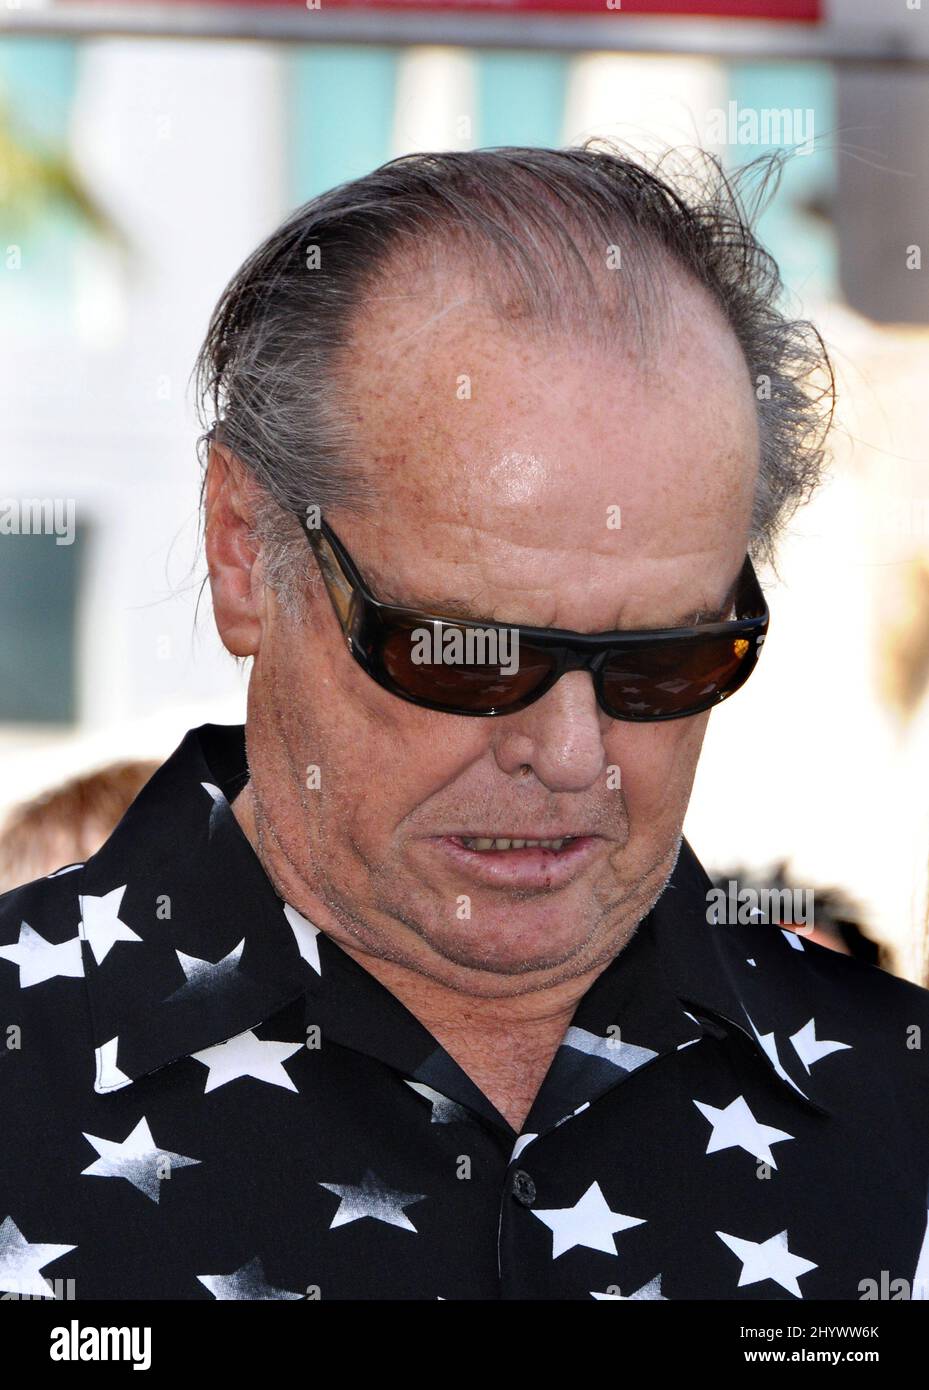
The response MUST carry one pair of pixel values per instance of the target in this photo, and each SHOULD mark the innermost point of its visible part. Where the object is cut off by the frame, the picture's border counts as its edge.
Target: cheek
(381, 758)
(657, 764)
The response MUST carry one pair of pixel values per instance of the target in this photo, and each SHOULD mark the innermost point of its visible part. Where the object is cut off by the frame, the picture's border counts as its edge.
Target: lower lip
(521, 868)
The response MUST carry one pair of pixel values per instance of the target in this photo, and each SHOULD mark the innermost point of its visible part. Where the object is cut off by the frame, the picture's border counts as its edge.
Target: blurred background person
(828, 916)
(69, 823)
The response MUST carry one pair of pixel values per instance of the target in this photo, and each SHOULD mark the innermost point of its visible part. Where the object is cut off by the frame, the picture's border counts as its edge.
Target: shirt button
(523, 1188)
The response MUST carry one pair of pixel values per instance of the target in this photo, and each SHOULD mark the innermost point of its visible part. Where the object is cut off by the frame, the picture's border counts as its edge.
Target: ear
(235, 580)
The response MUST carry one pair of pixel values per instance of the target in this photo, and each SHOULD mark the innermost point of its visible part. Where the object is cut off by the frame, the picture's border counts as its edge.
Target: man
(408, 990)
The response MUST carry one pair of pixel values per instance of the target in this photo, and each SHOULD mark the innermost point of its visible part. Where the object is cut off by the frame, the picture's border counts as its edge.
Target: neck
(505, 1045)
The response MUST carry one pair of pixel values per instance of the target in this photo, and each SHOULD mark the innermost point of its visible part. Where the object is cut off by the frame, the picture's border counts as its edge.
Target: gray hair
(538, 224)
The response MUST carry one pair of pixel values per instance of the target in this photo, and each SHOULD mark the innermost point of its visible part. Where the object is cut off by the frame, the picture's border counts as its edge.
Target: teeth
(485, 843)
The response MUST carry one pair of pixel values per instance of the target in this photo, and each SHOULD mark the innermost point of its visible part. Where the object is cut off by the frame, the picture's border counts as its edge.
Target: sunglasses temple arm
(338, 586)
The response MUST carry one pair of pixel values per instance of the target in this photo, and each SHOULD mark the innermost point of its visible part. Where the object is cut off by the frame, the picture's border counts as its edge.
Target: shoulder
(787, 965)
(41, 900)
(796, 962)
(854, 1037)
(41, 964)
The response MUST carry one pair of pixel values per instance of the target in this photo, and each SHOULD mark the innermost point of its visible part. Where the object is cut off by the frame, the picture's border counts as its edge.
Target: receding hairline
(264, 369)
(636, 300)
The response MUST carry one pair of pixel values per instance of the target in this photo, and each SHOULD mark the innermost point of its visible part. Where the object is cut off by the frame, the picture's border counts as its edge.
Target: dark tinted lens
(675, 678)
(459, 667)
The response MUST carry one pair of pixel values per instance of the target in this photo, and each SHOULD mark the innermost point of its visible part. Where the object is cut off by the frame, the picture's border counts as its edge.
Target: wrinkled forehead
(529, 439)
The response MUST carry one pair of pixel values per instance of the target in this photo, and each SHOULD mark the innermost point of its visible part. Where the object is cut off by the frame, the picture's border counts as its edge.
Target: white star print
(444, 1111)
(40, 960)
(68, 869)
(565, 1118)
(736, 1127)
(650, 1291)
(521, 1143)
(811, 1049)
(220, 804)
(136, 1159)
(21, 1262)
(611, 1049)
(769, 1259)
(203, 976)
(792, 939)
(248, 1282)
(307, 937)
(375, 1199)
(589, 1222)
(246, 1055)
(919, 1289)
(109, 1076)
(769, 1044)
(100, 924)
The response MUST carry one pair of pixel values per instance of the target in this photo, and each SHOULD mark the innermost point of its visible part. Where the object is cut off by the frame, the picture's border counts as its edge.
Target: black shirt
(204, 1097)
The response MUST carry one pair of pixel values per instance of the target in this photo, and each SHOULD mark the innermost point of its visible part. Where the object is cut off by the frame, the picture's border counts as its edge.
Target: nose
(560, 737)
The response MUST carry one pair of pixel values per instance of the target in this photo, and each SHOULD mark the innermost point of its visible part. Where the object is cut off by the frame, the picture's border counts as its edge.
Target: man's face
(499, 492)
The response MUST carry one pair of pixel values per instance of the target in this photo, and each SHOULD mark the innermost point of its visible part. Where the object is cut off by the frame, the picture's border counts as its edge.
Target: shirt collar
(185, 942)
(186, 945)
(738, 975)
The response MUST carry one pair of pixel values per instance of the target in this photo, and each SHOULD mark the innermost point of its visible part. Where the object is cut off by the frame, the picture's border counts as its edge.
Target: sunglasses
(483, 669)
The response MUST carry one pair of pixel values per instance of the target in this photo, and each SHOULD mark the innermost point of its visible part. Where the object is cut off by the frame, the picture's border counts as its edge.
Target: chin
(512, 942)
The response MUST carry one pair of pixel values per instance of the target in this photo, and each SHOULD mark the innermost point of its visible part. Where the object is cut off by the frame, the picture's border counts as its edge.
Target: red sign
(718, 9)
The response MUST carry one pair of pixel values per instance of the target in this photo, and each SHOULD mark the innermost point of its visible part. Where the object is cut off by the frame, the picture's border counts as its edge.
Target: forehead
(507, 457)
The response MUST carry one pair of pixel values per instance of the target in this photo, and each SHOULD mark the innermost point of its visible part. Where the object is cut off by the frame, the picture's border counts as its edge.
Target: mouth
(486, 844)
(503, 861)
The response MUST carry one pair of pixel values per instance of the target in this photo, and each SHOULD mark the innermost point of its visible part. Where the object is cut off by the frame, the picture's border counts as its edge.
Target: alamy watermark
(24, 1290)
(735, 906)
(887, 1288)
(81, 1342)
(765, 125)
(38, 516)
(441, 644)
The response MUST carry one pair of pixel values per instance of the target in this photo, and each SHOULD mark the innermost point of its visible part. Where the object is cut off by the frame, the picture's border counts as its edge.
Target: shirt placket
(628, 1023)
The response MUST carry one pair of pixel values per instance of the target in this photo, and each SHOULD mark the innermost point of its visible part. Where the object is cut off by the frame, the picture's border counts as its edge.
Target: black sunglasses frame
(366, 623)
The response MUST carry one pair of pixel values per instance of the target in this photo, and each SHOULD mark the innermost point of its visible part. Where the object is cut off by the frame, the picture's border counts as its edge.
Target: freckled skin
(501, 500)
